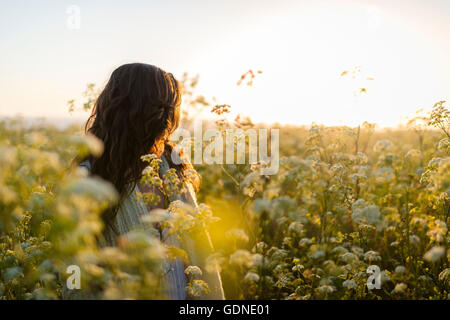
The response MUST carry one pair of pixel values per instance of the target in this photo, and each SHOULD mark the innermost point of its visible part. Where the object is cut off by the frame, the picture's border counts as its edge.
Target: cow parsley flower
(400, 269)
(193, 271)
(318, 254)
(237, 235)
(434, 254)
(444, 275)
(326, 289)
(241, 257)
(304, 242)
(296, 227)
(382, 145)
(349, 284)
(372, 256)
(251, 277)
(400, 288)
(197, 288)
(349, 257)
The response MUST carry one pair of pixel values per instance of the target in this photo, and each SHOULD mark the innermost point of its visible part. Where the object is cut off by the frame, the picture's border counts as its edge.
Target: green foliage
(343, 199)
(50, 218)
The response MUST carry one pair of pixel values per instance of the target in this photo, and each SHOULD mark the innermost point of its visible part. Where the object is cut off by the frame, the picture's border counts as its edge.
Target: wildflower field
(343, 199)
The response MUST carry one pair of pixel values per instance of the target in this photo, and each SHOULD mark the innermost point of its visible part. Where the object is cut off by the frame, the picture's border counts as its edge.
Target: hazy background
(301, 46)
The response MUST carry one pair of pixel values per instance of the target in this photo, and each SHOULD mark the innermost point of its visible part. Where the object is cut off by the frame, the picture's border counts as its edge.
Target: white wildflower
(95, 145)
(434, 254)
(193, 271)
(296, 227)
(382, 145)
(339, 250)
(413, 155)
(372, 256)
(444, 275)
(318, 254)
(261, 205)
(251, 277)
(413, 239)
(197, 288)
(349, 284)
(243, 258)
(364, 214)
(298, 268)
(400, 288)
(237, 235)
(400, 269)
(349, 257)
(304, 242)
(326, 289)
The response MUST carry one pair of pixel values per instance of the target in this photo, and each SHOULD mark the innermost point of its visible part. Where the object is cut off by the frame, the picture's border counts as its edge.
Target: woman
(135, 115)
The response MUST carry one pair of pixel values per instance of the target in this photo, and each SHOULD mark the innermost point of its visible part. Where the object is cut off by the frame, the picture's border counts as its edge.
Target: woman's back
(198, 247)
(128, 217)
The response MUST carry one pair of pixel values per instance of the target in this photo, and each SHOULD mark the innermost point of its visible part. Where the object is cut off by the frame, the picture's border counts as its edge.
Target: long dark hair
(134, 115)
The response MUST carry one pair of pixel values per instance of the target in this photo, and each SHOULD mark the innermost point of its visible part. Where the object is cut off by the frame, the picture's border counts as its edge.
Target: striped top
(129, 217)
(198, 247)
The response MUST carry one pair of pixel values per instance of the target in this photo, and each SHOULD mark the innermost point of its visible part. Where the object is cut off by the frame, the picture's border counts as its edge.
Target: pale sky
(301, 46)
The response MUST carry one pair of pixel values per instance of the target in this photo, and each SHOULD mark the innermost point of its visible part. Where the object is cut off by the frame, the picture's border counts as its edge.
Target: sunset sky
(301, 46)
